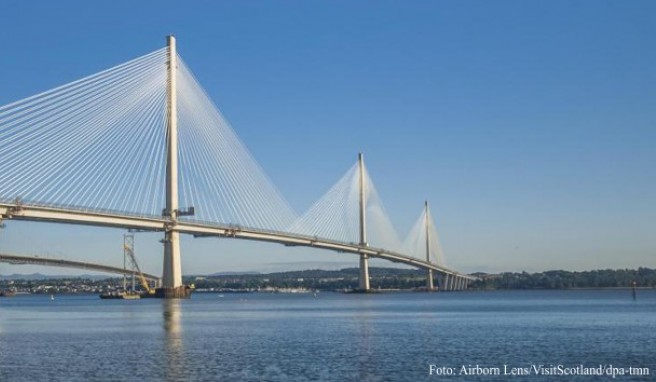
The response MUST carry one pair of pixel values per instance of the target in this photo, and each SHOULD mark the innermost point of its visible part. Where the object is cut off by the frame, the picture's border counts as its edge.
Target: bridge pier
(429, 280)
(172, 272)
(364, 273)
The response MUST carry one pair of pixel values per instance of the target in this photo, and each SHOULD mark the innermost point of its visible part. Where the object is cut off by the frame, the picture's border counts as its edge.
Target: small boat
(110, 296)
(7, 293)
(52, 297)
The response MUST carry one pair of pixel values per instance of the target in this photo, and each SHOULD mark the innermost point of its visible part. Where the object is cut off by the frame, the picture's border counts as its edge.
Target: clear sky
(528, 125)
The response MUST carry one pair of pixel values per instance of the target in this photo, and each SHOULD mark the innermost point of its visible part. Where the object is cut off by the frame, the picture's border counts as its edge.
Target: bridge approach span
(36, 260)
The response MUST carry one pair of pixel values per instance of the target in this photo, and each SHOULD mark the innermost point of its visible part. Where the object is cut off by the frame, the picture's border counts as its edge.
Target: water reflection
(363, 337)
(172, 313)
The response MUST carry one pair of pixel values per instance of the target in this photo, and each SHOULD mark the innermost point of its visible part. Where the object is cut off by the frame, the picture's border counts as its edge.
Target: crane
(128, 249)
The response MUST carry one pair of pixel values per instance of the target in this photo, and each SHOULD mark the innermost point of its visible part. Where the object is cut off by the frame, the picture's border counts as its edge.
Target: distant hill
(559, 279)
(384, 278)
(319, 273)
(310, 273)
(218, 274)
(313, 279)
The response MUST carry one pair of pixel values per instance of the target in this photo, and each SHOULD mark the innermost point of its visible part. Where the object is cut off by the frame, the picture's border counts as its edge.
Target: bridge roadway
(36, 260)
(18, 211)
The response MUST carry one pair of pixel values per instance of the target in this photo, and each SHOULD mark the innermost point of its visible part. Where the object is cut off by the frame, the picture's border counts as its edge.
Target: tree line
(606, 278)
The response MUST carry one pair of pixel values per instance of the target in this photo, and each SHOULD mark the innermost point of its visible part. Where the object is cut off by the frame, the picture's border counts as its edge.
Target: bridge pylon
(429, 272)
(364, 258)
(172, 274)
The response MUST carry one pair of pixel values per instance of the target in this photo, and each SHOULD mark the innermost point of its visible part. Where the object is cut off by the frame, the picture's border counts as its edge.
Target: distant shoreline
(383, 279)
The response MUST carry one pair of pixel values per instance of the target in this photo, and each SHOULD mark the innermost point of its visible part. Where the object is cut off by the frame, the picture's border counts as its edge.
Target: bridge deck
(108, 219)
(36, 260)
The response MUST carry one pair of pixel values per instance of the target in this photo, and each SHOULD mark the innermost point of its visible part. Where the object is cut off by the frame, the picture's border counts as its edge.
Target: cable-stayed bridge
(142, 146)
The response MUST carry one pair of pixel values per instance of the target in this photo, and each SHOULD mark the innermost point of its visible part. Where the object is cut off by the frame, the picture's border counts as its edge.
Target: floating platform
(183, 291)
(120, 296)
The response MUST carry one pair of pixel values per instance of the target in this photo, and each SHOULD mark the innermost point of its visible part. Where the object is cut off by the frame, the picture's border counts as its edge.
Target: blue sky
(528, 125)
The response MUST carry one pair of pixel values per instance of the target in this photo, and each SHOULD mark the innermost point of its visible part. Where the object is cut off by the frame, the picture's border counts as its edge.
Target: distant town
(337, 280)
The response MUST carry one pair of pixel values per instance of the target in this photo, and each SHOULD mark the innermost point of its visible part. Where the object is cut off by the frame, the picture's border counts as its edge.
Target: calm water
(333, 337)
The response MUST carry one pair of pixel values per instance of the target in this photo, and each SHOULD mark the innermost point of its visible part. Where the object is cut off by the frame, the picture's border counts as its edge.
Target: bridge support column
(429, 280)
(445, 282)
(429, 273)
(172, 274)
(364, 273)
(364, 259)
